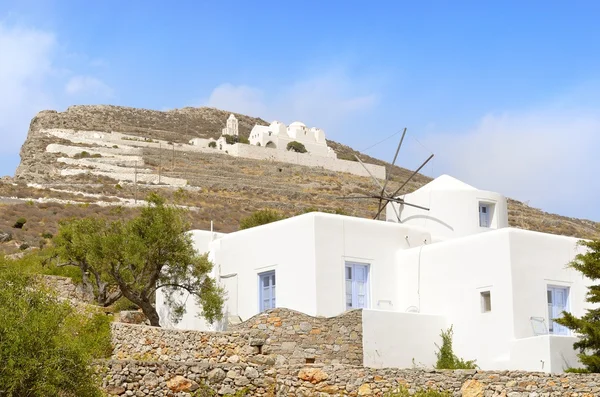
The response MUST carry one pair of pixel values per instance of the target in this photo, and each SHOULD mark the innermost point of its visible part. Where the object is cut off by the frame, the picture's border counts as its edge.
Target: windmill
(383, 196)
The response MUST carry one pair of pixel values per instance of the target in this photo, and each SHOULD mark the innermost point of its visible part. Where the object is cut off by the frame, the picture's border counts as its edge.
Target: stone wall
(182, 378)
(141, 342)
(296, 338)
(64, 288)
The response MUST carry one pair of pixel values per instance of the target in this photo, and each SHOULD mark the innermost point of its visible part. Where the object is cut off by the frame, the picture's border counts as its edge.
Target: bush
(20, 223)
(47, 235)
(244, 140)
(446, 359)
(261, 217)
(212, 144)
(348, 157)
(46, 348)
(403, 392)
(82, 155)
(115, 146)
(296, 146)
(23, 246)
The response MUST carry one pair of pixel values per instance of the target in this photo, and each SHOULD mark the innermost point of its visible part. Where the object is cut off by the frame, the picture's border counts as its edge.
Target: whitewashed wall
(333, 164)
(394, 340)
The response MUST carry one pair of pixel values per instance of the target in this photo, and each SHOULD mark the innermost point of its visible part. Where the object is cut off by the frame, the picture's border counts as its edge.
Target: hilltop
(64, 174)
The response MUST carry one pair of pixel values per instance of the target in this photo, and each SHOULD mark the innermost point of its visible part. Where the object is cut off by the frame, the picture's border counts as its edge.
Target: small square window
(486, 301)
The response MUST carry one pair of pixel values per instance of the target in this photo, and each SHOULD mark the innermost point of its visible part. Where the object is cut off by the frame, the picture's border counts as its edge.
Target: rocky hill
(83, 161)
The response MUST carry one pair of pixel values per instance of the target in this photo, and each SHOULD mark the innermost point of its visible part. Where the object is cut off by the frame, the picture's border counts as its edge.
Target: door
(557, 304)
(266, 291)
(484, 218)
(357, 285)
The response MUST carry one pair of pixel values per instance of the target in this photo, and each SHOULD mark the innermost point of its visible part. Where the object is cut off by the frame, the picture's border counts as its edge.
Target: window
(484, 215)
(486, 301)
(266, 290)
(557, 303)
(357, 285)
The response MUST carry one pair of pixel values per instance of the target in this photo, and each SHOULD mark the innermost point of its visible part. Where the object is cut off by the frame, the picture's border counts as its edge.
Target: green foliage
(115, 146)
(446, 359)
(47, 235)
(260, 217)
(136, 257)
(588, 326)
(233, 139)
(296, 146)
(23, 246)
(123, 304)
(46, 348)
(205, 391)
(403, 392)
(212, 144)
(577, 371)
(244, 140)
(19, 223)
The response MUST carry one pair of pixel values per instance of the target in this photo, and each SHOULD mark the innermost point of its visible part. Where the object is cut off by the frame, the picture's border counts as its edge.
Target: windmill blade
(369, 172)
(381, 208)
(389, 173)
(412, 176)
(416, 206)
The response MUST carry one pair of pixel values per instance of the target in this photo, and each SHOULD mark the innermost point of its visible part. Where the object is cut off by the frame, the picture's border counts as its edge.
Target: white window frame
(557, 329)
(269, 273)
(353, 265)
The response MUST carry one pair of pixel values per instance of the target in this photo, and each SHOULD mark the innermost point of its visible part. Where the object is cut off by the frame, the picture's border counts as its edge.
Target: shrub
(348, 157)
(47, 235)
(115, 146)
(23, 246)
(446, 359)
(230, 139)
(244, 140)
(296, 146)
(46, 348)
(261, 217)
(118, 186)
(82, 155)
(212, 144)
(403, 392)
(20, 223)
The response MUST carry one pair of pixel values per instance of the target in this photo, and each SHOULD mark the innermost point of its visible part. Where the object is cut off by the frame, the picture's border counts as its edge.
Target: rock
(216, 376)
(312, 375)
(234, 359)
(365, 390)
(251, 373)
(472, 388)
(132, 317)
(179, 383)
(114, 390)
(226, 389)
(5, 237)
(150, 380)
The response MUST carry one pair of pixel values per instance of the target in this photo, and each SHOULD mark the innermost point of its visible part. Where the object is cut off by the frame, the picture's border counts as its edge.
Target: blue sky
(505, 94)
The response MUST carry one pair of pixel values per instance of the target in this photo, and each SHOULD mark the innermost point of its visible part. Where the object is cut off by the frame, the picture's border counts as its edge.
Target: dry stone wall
(191, 378)
(296, 338)
(141, 342)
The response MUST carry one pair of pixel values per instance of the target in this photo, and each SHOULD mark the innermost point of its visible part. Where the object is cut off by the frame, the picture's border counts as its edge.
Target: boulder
(179, 383)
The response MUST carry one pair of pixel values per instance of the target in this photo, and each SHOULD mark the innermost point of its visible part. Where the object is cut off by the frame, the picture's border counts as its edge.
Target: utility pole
(159, 160)
(135, 184)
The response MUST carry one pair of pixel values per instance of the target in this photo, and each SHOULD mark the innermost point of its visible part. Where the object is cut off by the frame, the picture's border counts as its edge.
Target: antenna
(383, 196)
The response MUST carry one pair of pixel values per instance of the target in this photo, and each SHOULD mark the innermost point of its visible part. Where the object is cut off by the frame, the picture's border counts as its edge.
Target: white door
(357, 285)
(266, 291)
(557, 304)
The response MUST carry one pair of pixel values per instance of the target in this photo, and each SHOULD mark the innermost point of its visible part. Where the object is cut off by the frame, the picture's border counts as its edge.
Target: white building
(277, 136)
(231, 127)
(457, 264)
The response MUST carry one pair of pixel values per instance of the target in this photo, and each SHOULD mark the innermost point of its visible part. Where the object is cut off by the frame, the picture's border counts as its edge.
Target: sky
(505, 94)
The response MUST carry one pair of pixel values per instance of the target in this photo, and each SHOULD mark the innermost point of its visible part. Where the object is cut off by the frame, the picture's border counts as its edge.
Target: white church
(277, 136)
(458, 264)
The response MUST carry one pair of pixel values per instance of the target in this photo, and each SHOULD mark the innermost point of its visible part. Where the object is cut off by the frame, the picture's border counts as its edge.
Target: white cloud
(328, 100)
(25, 67)
(241, 99)
(87, 85)
(548, 156)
